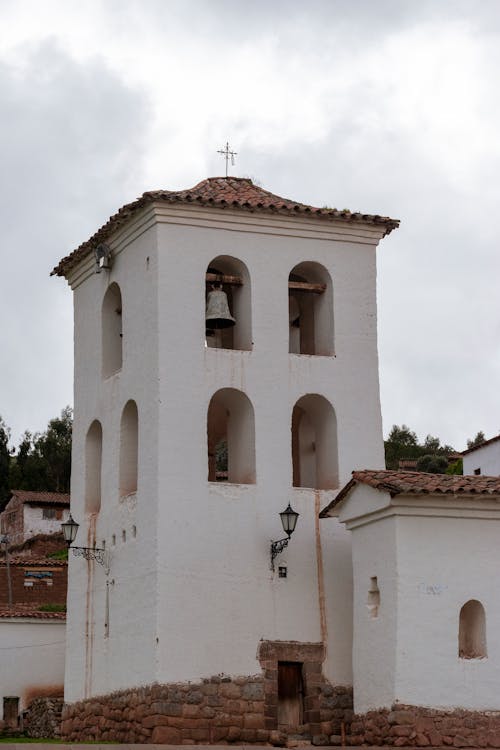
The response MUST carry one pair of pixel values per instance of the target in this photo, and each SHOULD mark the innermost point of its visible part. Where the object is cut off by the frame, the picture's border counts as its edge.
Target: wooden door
(290, 694)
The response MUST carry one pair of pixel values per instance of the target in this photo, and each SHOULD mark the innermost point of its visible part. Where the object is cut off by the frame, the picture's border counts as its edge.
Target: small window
(231, 437)
(112, 331)
(129, 445)
(49, 513)
(93, 462)
(314, 443)
(477, 472)
(472, 631)
(310, 310)
(373, 602)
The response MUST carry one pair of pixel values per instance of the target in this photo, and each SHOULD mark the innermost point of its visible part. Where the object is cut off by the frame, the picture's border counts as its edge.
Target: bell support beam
(299, 286)
(221, 278)
(304, 286)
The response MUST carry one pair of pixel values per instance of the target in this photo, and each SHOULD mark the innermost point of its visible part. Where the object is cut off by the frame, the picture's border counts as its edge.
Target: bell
(218, 314)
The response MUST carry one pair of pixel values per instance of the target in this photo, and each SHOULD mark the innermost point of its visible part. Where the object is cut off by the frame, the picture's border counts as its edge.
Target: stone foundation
(42, 718)
(218, 710)
(411, 726)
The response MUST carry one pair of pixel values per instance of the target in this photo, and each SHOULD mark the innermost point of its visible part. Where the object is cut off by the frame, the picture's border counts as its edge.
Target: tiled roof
(37, 562)
(481, 445)
(41, 498)
(18, 611)
(418, 483)
(219, 192)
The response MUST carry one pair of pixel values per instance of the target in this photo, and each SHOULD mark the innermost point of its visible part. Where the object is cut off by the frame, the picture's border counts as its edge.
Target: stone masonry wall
(217, 710)
(410, 726)
(42, 718)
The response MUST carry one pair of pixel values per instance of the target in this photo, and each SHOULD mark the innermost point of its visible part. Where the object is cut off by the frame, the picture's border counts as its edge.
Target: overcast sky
(383, 106)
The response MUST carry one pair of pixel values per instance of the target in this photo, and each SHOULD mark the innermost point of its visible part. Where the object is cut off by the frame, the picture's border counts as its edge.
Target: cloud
(71, 147)
(387, 107)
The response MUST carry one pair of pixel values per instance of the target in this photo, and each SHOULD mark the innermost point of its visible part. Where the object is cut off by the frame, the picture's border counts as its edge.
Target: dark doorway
(290, 694)
(11, 711)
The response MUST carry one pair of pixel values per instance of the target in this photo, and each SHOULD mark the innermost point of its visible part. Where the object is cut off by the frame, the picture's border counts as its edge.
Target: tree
(54, 448)
(431, 455)
(43, 460)
(433, 464)
(401, 443)
(480, 438)
(4, 463)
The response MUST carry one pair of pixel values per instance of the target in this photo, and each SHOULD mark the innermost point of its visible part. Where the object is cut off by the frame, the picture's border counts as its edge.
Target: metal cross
(226, 152)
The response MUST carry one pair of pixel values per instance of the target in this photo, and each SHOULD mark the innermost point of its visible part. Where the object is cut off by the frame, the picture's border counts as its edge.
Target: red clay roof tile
(41, 498)
(417, 483)
(18, 610)
(219, 192)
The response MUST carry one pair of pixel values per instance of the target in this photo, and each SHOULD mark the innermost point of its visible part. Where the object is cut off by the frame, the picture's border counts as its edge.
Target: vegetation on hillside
(430, 456)
(41, 462)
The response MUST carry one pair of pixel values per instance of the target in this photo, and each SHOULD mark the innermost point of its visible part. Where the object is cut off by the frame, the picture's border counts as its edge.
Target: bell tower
(225, 368)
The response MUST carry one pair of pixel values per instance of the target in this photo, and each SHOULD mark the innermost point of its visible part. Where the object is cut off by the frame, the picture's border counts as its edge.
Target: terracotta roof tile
(35, 562)
(41, 498)
(219, 192)
(18, 610)
(417, 483)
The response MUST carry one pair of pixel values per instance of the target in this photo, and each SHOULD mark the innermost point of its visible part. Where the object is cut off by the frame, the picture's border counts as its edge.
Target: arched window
(129, 442)
(111, 331)
(230, 276)
(231, 437)
(472, 631)
(93, 463)
(314, 443)
(310, 307)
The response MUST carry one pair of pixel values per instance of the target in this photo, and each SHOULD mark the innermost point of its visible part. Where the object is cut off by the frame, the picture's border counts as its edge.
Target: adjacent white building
(32, 647)
(28, 514)
(426, 602)
(291, 391)
(483, 459)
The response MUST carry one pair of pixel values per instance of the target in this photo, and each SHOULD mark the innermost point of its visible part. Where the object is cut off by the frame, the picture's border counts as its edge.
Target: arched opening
(231, 437)
(93, 464)
(310, 310)
(472, 631)
(229, 275)
(314, 443)
(111, 331)
(129, 443)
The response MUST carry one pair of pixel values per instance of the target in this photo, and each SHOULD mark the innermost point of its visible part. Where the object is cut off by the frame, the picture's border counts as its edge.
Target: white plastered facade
(192, 594)
(430, 554)
(484, 460)
(31, 658)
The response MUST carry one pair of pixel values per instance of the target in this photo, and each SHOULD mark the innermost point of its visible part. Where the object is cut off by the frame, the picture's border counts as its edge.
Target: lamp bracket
(91, 553)
(278, 547)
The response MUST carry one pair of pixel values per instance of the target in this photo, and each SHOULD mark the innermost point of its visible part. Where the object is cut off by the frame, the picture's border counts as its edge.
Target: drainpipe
(5, 540)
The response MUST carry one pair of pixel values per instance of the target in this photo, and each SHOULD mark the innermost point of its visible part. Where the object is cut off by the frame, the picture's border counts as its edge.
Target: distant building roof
(417, 483)
(41, 498)
(18, 611)
(219, 192)
(481, 445)
(35, 562)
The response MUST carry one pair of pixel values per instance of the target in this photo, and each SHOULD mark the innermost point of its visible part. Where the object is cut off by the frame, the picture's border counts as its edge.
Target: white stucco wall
(486, 459)
(31, 658)
(443, 563)
(35, 523)
(431, 555)
(193, 594)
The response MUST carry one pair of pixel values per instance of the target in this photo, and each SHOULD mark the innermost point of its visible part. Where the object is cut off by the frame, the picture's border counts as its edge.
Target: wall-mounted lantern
(70, 530)
(102, 255)
(289, 521)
